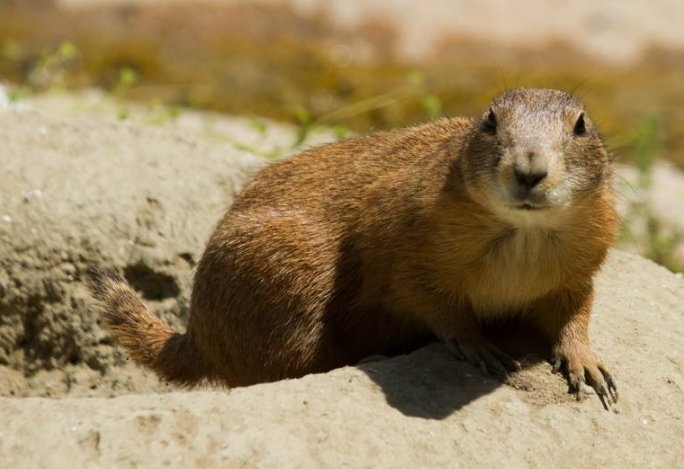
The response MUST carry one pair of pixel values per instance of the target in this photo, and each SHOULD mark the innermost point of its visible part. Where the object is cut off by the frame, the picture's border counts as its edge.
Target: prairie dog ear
(580, 128)
(490, 122)
(578, 123)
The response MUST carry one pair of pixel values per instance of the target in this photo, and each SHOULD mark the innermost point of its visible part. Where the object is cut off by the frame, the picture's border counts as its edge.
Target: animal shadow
(430, 384)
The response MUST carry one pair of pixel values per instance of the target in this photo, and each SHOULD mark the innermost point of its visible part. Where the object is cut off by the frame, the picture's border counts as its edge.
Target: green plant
(432, 105)
(415, 88)
(646, 149)
(127, 78)
(662, 244)
(654, 238)
(50, 72)
(159, 113)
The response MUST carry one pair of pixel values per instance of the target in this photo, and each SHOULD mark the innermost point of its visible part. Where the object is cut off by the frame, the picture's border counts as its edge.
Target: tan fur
(375, 244)
(150, 342)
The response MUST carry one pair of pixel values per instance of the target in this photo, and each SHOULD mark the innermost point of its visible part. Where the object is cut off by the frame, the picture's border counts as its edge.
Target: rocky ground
(91, 190)
(79, 187)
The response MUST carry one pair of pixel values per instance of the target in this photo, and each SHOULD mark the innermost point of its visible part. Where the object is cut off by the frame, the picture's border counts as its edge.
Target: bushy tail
(150, 341)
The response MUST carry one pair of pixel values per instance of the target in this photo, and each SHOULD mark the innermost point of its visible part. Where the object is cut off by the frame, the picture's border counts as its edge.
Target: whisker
(615, 173)
(591, 76)
(623, 223)
(519, 76)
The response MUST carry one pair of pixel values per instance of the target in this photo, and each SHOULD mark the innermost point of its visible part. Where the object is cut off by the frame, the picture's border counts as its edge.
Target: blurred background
(356, 66)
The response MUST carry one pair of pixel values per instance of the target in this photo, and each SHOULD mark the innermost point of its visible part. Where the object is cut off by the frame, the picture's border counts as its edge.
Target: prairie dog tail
(150, 341)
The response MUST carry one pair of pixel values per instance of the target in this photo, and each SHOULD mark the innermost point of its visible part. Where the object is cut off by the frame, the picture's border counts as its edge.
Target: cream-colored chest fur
(513, 270)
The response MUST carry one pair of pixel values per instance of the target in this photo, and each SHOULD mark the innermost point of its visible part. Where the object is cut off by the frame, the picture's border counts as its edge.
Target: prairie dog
(375, 244)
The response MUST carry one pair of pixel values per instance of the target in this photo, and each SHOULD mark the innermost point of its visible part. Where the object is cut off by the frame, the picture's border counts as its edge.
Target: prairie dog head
(533, 156)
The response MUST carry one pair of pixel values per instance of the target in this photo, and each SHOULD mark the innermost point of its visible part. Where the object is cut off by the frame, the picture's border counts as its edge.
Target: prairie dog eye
(489, 124)
(580, 128)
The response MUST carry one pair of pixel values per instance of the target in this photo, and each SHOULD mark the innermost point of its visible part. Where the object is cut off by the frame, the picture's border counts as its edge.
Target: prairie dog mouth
(529, 207)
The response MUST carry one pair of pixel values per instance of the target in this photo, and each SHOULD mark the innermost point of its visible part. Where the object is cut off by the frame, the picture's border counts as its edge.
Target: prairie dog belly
(518, 269)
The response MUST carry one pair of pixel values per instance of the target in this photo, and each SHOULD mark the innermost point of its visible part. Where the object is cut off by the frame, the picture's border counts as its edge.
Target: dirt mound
(82, 190)
(419, 410)
(87, 191)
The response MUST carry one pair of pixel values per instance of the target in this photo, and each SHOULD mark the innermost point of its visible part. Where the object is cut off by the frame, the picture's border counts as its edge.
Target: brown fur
(375, 244)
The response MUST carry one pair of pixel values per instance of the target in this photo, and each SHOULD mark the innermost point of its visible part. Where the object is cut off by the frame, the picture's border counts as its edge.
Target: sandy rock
(260, 136)
(90, 190)
(420, 410)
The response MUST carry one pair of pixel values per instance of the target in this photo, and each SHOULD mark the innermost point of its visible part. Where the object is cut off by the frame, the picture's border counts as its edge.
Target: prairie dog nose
(530, 171)
(529, 179)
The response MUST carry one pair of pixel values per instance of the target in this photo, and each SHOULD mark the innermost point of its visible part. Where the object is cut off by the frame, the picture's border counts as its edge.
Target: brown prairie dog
(375, 244)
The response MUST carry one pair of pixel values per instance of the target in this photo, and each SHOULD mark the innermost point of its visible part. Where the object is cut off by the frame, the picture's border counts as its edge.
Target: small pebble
(6, 219)
(32, 194)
